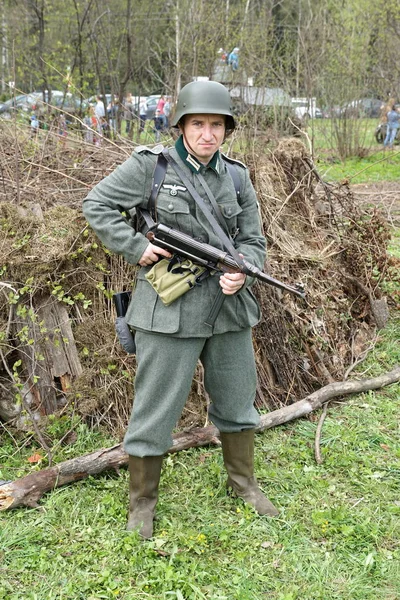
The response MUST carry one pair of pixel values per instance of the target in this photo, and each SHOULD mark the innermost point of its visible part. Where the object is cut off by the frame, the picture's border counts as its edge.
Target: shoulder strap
(214, 204)
(158, 178)
(235, 176)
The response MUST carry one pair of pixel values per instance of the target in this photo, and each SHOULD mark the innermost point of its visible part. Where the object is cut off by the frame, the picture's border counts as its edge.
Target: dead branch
(359, 359)
(317, 449)
(28, 490)
(318, 433)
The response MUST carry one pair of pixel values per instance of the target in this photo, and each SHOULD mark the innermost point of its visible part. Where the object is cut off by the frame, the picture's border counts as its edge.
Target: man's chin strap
(190, 150)
(187, 145)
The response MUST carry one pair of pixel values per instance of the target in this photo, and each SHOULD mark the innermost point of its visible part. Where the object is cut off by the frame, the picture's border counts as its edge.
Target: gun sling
(227, 242)
(150, 216)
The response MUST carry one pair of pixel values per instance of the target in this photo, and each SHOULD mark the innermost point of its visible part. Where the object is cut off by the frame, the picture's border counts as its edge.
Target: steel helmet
(204, 97)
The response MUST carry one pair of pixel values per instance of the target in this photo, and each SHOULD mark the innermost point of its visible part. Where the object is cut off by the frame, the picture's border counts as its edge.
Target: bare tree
(38, 12)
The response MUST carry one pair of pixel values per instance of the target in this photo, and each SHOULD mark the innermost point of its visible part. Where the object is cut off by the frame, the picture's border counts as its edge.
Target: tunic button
(170, 206)
(229, 212)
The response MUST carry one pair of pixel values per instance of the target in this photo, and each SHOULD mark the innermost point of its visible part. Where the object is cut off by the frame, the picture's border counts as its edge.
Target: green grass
(373, 165)
(394, 246)
(379, 166)
(337, 536)
(324, 133)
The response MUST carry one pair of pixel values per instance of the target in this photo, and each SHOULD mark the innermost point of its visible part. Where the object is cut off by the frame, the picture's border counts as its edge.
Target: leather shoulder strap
(158, 178)
(232, 170)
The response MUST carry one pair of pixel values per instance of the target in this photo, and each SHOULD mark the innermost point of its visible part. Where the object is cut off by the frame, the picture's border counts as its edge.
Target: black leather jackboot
(238, 453)
(144, 475)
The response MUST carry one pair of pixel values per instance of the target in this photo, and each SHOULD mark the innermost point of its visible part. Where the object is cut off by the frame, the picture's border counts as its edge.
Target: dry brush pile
(59, 352)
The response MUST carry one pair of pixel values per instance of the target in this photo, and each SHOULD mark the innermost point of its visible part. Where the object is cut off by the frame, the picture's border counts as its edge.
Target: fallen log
(28, 490)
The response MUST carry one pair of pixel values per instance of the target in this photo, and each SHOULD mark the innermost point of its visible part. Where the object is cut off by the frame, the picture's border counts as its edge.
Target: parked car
(367, 107)
(363, 107)
(333, 111)
(33, 101)
(70, 103)
(23, 102)
(8, 104)
(305, 108)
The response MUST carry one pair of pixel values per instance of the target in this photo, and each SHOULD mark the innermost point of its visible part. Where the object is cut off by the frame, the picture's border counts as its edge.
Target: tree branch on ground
(28, 490)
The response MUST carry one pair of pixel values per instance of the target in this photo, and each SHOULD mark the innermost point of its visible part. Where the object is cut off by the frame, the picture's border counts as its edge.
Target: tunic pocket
(230, 212)
(249, 312)
(173, 211)
(148, 313)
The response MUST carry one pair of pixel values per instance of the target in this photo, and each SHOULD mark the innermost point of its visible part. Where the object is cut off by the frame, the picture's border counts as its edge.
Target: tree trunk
(28, 490)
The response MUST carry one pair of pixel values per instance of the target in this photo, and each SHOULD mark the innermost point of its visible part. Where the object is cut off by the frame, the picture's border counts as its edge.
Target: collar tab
(191, 161)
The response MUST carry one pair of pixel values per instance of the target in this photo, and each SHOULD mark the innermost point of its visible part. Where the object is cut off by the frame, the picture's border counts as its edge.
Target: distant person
(34, 125)
(167, 111)
(233, 59)
(223, 55)
(385, 108)
(62, 126)
(112, 111)
(128, 112)
(100, 114)
(99, 110)
(393, 122)
(142, 115)
(158, 125)
(89, 122)
(160, 108)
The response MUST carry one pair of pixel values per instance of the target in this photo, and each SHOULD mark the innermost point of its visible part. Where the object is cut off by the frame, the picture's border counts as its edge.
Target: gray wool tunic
(129, 186)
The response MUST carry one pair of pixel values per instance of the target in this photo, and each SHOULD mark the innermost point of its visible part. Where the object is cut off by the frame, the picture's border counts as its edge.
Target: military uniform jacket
(129, 186)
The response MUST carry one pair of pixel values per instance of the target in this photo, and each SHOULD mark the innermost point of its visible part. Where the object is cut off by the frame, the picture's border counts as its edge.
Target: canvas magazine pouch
(171, 278)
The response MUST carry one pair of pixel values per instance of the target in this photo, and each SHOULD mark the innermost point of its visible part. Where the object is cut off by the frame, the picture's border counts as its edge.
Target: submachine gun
(212, 258)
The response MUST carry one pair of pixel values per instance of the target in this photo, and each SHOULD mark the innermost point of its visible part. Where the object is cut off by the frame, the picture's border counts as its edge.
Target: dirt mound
(317, 234)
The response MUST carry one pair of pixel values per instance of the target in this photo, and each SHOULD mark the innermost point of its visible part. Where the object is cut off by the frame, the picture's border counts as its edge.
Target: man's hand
(152, 254)
(232, 282)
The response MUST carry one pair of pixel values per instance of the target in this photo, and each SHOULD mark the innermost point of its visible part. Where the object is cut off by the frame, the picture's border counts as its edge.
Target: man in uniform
(171, 339)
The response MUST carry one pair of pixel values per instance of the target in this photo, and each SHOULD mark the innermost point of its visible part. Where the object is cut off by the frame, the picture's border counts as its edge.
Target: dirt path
(385, 194)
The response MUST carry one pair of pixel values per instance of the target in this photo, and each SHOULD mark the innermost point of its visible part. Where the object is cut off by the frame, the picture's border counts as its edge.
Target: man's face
(203, 135)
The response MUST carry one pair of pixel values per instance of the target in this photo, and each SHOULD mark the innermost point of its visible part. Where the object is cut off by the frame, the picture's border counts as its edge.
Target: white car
(305, 108)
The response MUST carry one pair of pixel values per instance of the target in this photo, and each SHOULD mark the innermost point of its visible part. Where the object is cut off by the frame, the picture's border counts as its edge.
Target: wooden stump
(48, 353)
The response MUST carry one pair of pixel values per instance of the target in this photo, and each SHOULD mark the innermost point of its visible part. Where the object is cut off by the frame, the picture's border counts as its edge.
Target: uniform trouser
(165, 369)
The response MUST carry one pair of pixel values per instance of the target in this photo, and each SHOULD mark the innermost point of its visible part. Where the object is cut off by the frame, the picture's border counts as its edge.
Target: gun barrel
(298, 289)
